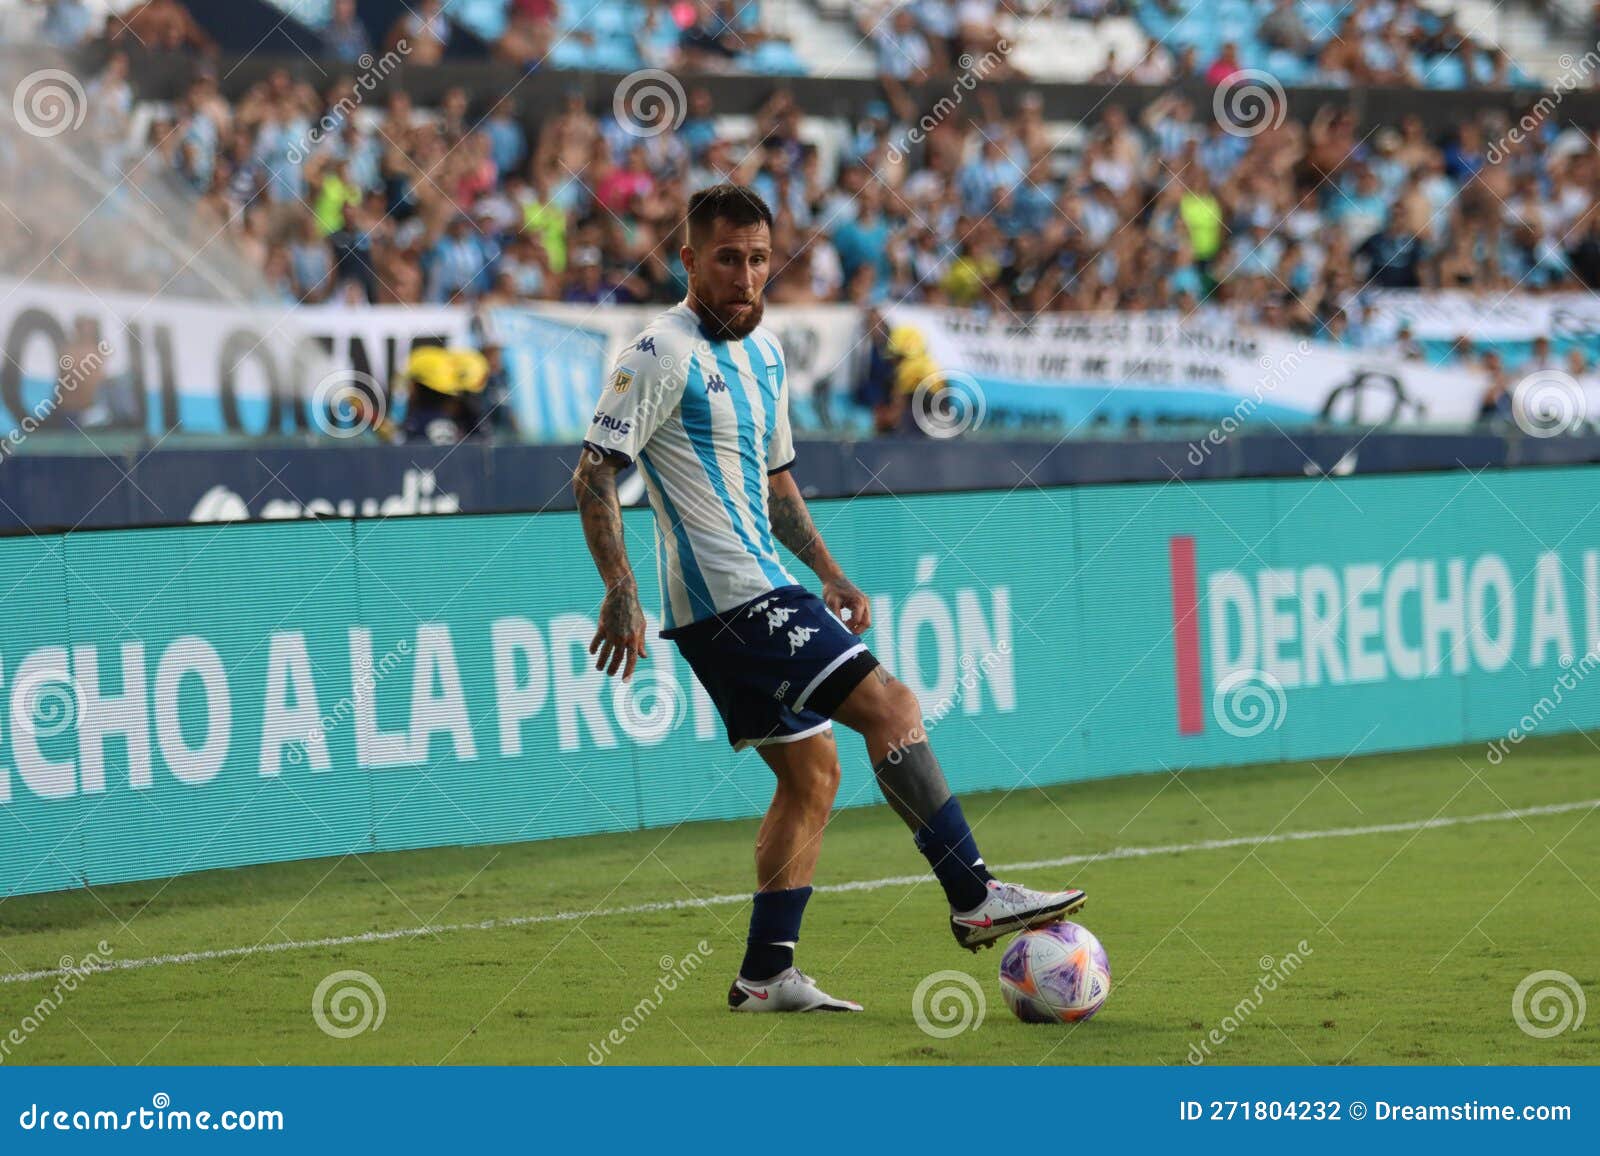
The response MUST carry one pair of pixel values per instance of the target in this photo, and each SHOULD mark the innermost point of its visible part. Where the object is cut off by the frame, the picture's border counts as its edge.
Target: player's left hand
(841, 594)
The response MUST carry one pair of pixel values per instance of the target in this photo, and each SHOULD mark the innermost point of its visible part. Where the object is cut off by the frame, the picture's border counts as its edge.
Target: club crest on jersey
(715, 384)
(772, 378)
(622, 380)
(646, 345)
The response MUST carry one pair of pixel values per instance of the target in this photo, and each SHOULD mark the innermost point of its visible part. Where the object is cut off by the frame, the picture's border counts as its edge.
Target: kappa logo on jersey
(799, 636)
(646, 345)
(622, 380)
(715, 384)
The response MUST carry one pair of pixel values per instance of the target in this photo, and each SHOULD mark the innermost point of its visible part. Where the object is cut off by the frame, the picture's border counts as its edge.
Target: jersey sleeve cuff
(610, 452)
(788, 465)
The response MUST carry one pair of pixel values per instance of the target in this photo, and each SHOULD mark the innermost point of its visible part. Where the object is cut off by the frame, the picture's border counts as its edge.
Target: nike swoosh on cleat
(758, 993)
(986, 921)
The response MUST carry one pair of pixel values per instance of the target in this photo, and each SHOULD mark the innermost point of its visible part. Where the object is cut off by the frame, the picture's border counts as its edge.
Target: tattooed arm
(620, 640)
(792, 525)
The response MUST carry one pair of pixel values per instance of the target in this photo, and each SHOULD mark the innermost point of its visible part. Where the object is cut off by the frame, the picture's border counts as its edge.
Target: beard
(729, 326)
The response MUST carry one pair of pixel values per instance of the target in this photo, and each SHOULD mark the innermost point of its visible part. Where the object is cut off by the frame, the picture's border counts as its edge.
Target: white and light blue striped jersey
(707, 422)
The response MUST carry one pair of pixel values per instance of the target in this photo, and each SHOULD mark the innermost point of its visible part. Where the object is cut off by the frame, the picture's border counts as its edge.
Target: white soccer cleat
(1009, 908)
(788, 991)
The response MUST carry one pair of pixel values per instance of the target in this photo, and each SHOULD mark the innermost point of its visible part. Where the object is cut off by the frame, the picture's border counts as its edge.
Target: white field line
(857, 885)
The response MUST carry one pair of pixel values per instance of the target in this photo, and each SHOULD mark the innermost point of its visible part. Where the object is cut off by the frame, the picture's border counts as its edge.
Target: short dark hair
(739, 204)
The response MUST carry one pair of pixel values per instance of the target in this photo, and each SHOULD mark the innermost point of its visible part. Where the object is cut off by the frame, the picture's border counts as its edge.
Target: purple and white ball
(1056, 974)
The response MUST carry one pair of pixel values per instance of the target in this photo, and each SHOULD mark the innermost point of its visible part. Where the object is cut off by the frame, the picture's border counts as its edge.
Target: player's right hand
(619, 643)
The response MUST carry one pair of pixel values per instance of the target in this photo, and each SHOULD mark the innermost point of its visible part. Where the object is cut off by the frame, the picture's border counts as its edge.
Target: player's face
(727, 276)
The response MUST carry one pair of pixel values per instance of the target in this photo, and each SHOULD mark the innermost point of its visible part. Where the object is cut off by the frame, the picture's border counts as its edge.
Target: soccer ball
(1056, 974)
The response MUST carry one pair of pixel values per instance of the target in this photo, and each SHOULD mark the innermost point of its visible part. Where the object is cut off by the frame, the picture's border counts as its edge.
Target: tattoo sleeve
(792, 525)
(595, 487)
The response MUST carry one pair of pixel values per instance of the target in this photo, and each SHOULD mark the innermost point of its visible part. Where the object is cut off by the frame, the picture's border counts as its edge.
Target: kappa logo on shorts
(776, 616)
(799, 636)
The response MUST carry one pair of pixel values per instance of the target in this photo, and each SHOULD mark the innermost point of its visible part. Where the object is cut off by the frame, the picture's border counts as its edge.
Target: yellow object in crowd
(448, 371)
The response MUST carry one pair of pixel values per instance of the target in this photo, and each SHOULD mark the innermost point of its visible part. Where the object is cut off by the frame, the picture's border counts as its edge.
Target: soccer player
(700, 402)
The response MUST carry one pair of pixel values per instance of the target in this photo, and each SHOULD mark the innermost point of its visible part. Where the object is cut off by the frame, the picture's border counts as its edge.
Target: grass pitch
(1415, 938)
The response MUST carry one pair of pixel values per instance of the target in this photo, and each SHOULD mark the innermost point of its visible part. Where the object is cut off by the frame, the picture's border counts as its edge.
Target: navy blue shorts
(777, 667)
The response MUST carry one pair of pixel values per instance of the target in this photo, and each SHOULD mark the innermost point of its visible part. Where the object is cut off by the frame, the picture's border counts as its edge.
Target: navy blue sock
(952, 852)
(774, 929)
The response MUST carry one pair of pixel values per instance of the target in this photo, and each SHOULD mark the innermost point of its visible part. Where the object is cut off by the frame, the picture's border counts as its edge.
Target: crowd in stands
(1336, 43)
(394, 204)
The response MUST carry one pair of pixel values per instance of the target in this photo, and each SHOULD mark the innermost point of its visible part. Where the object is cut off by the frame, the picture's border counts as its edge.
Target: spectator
(1283, 28)
(529, 33)
(345, 38)
(424, 31)
(160, 26)
(1225, 66)
(67, 23)
(904, 54)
